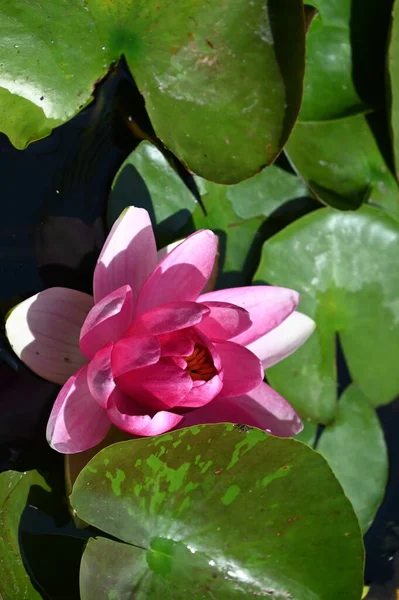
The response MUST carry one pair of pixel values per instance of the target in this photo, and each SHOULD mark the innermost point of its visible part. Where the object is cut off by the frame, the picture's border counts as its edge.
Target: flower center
(200, 364)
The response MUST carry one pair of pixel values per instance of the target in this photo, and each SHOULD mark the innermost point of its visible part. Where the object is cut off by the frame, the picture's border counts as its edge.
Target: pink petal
(242, 370)
(224, 321)
(263, 408)
(134, 353)
(44, 332)
(176, 343)
(267, 305)
(215, 271)
(129, 254)
(76, 422)
(157, 387)
(283, 340)
(182, 274)
(100, 380)
(130, 418)
(168, 317)
(202, 392)
(107, 321)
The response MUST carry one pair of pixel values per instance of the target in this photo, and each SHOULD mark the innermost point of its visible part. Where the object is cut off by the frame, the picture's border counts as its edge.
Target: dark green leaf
(354, 447)
(342, 163)
(346, 45)
(147, 180)
(213, 511)
(346, 268)
(14, 492)
(222, 82)
(393, 66)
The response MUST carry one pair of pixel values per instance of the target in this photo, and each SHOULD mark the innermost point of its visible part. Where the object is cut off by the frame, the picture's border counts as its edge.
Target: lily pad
(345, 58)
(393, 65)
(355, 449)
(342, 163)
(39, 553)
(222, 82)
(146, 179)
(14, 491)
(217, 511)
(346, 267)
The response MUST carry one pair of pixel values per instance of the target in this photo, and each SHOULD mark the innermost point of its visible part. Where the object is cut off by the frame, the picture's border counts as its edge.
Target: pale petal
(129, 417)
(242, 370)
(263, 408)
(129, 254)
(76, 422)
(44, 332)
(182, 274)
(225, 321)
(107, 321)
(99, 376)
(283, 340)
(267, 305)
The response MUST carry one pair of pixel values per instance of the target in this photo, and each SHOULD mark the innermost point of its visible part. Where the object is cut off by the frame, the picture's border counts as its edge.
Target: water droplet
(57, 191)
(16, 46)
(103, 48)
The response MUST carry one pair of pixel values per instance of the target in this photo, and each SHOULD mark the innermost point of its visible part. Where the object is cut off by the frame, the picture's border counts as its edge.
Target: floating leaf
(217, 511)
(346, 268)
(222, 82)
(354, 447)
(393, 65)
(14, 492)
(31, 542)
(342, 163)
(345, 57)
(147, 180)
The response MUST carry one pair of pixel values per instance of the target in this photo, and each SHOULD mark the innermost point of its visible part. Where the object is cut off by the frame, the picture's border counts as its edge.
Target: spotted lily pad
(217, 511)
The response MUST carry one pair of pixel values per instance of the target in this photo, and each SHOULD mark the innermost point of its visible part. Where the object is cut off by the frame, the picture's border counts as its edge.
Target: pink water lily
(151, 352)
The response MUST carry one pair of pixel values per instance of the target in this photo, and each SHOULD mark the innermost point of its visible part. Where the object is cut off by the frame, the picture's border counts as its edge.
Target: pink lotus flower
(152, 353)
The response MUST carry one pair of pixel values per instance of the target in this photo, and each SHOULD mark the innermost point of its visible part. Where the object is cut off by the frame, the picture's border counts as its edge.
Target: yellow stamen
(200, 364)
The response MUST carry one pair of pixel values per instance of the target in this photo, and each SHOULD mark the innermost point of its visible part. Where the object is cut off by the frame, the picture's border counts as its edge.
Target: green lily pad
(342, 163)
(355, 449)
(14, 491)
(222, 82)
(38, 557)
(214, 511)
(393, 65)
(345, 57)
(346, 267)
(147, 180)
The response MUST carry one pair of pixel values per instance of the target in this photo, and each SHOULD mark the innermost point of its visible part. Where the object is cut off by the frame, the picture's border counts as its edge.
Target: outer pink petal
(168, 318)
(107, 321)
(99, 376)
(242, 370)
(129, 254)
(262, 407)
(182, 274)
(129, 417)
(157, 387)
(134, 353)
(76, 422)
(44, 332)
(267, 305)
(283, 340)
(224, 321)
